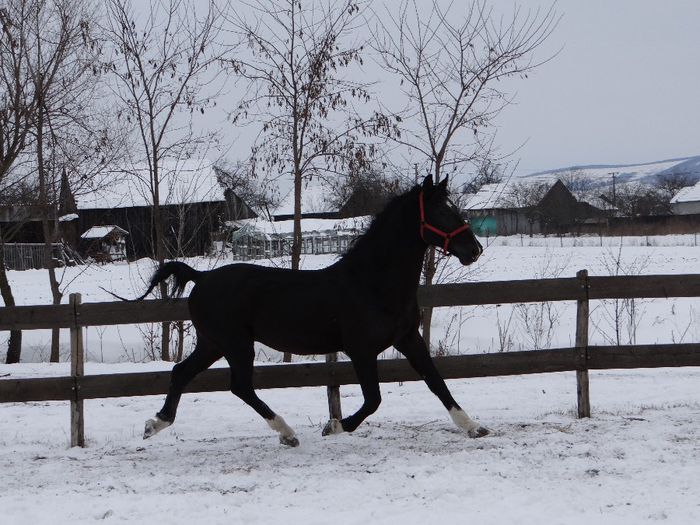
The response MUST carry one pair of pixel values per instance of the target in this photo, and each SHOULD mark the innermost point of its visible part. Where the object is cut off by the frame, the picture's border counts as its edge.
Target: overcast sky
(625, 87)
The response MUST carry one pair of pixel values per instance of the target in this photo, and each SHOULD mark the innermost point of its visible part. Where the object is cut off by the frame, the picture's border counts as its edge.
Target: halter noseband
(440, 233)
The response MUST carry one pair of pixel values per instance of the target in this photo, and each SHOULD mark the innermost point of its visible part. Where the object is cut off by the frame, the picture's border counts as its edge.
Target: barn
(194, 207)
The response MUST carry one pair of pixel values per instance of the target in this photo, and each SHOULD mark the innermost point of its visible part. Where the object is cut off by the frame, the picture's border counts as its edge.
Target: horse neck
(394, 256)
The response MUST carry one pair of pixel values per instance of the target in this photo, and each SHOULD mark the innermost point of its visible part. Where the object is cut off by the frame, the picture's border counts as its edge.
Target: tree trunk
(297, 240)
(14, 346)
(159, 252)
(180, 340)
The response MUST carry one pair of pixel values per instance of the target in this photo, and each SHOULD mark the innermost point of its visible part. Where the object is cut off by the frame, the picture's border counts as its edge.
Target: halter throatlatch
(448, 236)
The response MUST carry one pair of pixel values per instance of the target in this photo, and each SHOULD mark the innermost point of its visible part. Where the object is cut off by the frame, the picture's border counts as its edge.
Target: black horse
(360, 305)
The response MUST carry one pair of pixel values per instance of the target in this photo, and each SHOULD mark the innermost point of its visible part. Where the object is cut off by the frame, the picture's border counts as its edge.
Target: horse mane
(375, 240)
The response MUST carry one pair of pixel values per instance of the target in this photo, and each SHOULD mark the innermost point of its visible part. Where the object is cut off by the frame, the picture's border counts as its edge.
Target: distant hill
(646, 173)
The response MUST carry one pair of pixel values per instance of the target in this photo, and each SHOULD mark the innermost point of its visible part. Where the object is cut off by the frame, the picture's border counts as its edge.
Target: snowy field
(635, 461)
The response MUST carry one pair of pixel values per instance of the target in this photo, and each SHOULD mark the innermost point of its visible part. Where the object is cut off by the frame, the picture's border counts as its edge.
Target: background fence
(579, 358)
(30, 255)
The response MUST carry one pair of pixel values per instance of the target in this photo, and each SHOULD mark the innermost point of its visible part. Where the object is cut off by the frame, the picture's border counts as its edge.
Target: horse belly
(312, 333)
(300, 343)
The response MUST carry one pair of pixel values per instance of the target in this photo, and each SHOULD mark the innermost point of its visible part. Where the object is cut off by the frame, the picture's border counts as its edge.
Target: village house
(498, 209)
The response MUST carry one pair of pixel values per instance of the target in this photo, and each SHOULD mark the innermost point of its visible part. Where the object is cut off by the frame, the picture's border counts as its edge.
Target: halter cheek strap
(448, 236)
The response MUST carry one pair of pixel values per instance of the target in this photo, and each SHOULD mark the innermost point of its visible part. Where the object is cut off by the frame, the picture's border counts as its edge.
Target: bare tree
(449, 62)
(64, 67)
(165, 74)
(489, 172)
(298, 52)
(17, 103)
(366, 187)
(240, 178)
(668, 184)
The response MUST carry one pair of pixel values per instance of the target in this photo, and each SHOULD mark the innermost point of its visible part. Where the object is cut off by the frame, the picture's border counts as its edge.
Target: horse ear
(428, 182)
(443, 184)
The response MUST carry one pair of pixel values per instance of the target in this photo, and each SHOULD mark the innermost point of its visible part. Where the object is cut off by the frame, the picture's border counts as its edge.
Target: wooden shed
(106, 243)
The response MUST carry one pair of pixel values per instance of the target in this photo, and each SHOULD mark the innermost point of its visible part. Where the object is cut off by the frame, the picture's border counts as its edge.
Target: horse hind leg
(199, 360)
(240, 359)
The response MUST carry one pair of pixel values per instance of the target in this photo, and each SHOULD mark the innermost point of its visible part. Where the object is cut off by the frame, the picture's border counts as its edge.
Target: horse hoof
(332, 427)
(289, 441)
(153, 426)
(479, 432)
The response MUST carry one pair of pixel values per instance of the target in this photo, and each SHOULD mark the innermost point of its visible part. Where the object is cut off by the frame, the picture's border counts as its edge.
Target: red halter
(445, 235)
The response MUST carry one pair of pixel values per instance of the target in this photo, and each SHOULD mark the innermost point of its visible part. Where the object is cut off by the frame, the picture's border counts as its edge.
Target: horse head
(442, 224)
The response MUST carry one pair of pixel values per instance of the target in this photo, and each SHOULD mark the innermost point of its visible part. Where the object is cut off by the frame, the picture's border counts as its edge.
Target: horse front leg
(366, 370)
(414, 348)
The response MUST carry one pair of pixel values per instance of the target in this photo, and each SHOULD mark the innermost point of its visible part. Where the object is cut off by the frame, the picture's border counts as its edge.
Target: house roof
(182, 182)
(99, 232)
(687, 194)
(489, 196)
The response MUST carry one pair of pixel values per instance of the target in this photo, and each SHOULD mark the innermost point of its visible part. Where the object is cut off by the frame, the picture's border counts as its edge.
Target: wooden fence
(581, 358)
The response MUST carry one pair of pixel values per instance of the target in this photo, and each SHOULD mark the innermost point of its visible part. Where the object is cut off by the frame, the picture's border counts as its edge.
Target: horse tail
(181, 273)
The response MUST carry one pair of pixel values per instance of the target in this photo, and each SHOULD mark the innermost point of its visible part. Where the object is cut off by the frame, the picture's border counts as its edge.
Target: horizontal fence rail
(581, 358)
(464, 294)
(342, 373)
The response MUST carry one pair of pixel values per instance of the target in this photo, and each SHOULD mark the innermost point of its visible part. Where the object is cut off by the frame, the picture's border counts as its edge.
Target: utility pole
(614, 196)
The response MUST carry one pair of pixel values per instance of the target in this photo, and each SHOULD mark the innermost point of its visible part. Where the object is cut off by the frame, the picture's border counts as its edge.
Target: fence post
(333, 392)
(77, 370)
(582, 310)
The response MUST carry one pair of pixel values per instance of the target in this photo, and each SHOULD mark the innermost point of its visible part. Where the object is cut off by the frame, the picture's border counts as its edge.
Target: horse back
(294, 311)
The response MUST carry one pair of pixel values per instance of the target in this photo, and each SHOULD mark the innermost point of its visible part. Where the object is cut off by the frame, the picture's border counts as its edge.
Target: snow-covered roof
(98, 232)
(181, 182)
(308, 225)
(687, 194)
(313, 200)
(488, 197)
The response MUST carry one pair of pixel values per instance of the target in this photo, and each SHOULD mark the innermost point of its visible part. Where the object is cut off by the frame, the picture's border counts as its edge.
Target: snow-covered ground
(635, 461)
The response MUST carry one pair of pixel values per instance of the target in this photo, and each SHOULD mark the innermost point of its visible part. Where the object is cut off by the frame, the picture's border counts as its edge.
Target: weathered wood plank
(583, 400)
(644, 286)
(93, 314)
(36, 389)
(499, 292)
(36, 317)
(77, 370)
(119, 312)
(288, 376)
(463, 294)
(643, 356)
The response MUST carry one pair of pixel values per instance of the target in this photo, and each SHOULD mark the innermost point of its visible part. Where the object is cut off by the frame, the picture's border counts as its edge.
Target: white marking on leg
(462, 420)
(332, 427)
(155, 425)
(287, 436)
